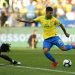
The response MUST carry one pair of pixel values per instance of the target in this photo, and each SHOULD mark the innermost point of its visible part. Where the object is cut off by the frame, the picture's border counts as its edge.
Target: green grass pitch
(35, 63)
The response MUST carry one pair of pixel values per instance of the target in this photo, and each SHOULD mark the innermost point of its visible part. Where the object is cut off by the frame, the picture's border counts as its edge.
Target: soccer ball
(67, 63)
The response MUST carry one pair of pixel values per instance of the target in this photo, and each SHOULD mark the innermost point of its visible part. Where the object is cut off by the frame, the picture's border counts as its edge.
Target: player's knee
(45, 50)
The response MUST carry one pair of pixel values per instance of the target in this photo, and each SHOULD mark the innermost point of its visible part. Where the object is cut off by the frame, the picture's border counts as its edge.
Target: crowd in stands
(30, 9)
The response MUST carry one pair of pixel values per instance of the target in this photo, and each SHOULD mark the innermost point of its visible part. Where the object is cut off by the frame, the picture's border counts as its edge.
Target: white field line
(44, 69)
(41, 69)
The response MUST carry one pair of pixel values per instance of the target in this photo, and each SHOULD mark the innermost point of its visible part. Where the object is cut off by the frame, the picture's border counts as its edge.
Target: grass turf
(35, 59)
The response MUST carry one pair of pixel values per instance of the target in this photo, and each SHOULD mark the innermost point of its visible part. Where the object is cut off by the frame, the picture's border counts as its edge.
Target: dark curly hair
(5, 47)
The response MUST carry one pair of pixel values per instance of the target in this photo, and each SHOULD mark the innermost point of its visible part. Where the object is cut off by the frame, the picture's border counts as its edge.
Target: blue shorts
(48, 43)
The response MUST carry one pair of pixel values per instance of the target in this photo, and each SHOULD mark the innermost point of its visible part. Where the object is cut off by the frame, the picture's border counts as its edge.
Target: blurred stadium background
(14, 32)
(17, 34)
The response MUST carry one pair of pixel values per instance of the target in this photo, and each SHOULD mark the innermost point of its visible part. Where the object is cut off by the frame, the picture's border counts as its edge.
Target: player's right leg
(46, 48)
(59, 43)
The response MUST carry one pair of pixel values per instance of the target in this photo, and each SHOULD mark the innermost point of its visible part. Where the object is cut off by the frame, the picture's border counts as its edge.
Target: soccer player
(32, 41)
(49, 24)
(3, 50)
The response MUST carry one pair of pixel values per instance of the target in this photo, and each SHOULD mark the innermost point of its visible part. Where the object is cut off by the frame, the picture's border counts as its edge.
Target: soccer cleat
(16, 63)
(54, 64)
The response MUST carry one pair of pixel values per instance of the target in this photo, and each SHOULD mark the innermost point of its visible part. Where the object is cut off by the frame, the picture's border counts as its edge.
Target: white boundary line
(41, 69)
(44, 69)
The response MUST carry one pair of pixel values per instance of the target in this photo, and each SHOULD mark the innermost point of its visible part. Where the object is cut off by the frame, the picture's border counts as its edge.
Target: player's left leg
(46, 48)
(50, 57)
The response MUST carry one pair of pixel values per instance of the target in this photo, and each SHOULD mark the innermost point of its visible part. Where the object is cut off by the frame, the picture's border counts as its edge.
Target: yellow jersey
(48, 26)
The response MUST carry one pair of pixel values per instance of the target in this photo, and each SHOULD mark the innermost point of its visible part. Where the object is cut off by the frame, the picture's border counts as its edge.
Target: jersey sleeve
(57, 22)
(38, 19)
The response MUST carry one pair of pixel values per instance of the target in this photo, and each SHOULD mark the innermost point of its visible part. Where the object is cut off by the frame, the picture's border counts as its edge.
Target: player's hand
(67, 35)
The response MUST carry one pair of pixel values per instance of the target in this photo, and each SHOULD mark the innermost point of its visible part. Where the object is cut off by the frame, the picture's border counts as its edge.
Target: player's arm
(64, 30)
(31, 21)
(26, 21)
(57, 22)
